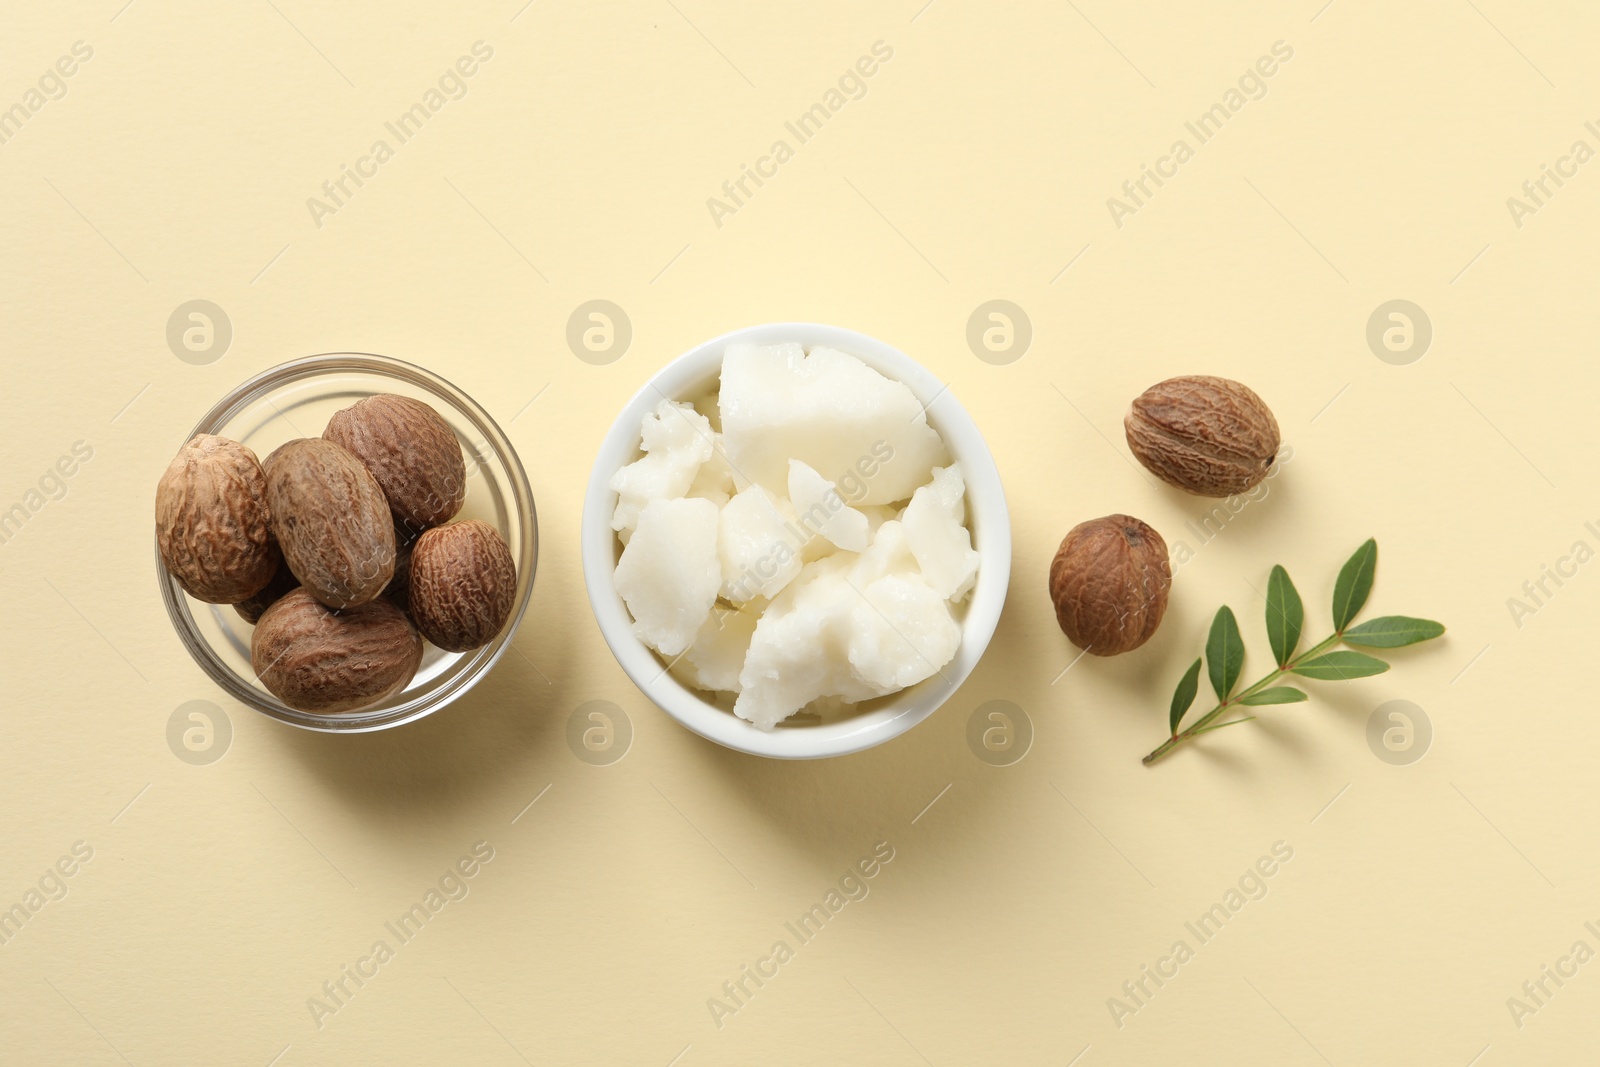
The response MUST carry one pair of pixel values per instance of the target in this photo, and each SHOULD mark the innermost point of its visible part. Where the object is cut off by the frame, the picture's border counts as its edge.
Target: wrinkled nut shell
(463, 583)
(331, 520)
(316, 659)
(1109, 583)
(252, 608)
(411, 451)
(1209, 436)
(398, 591)
(213, 525)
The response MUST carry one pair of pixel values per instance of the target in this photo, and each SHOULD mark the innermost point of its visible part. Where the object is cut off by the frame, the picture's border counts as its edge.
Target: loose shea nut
(316, 659)
(213, 525)
(411, 451)
(463, 582)
(1109, 583)
(331, 520)
(1209, 436)
(252, 608)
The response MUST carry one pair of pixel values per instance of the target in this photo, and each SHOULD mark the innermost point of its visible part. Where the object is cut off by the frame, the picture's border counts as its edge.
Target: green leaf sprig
(1224, 655)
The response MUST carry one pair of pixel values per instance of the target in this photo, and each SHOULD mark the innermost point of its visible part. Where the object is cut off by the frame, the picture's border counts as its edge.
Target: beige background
(977, 166)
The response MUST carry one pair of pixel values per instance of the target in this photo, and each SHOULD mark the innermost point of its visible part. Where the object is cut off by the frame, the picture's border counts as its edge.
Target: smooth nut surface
(1209, 436)
(316, 659)
(411, 451)
(463, 584)
(331, 520)
(1109, 583)
(213, 525)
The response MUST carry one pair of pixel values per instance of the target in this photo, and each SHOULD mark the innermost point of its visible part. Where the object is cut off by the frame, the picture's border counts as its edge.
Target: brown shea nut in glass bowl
(277, 541)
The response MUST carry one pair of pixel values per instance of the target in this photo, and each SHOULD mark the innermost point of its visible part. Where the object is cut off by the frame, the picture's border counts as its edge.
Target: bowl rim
(988, 518)
(482, 660)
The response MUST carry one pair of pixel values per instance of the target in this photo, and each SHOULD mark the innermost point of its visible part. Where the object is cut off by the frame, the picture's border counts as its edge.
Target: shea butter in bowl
(873, 575)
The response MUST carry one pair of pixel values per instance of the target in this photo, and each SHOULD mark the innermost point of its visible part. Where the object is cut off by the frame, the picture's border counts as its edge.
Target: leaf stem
(1200, 725)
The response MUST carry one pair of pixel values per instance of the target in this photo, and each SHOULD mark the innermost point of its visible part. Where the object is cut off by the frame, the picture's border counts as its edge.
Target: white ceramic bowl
(694, 374)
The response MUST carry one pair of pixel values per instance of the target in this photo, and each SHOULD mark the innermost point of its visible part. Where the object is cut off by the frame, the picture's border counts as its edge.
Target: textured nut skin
(1209, 436)
(213, 525)
(331, 520)
(1109, 583)
(411, 451)
(316, 659)
(463, 582)
(398, 591)
(252, 608)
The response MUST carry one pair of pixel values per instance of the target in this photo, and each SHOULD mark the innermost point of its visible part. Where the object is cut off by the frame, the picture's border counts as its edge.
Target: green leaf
(1392, 631)
(1224, 652)
(1183, 696)
(1285, 614)
(1355, 582)
(1283, 694)
(1341, 666)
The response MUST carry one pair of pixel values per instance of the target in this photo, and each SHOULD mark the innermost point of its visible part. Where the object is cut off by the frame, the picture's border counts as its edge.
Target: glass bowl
(296, 399)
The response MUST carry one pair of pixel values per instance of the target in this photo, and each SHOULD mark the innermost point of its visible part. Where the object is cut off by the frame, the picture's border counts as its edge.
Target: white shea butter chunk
(676, 440)
(669, 572)
(849, 627)
(759, 545)
(888, 554)
(714, 660)
(901, 632)
(877, 515)
(862, 431)
(800, 648)
(817, 502)
(935, 523)
(715, 480)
